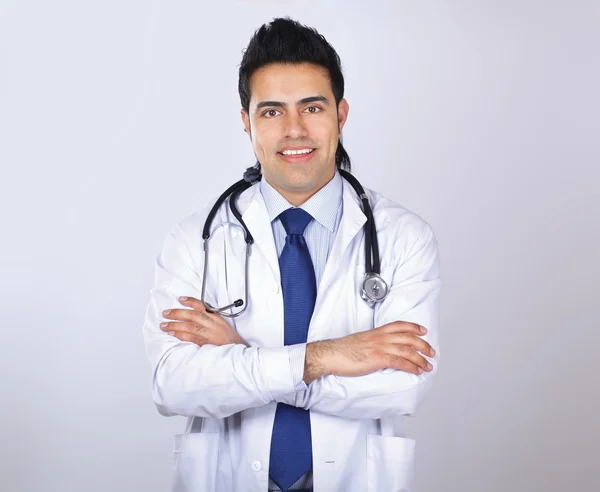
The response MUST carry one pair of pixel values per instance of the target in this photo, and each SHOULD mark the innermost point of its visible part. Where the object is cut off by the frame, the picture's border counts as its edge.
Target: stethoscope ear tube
(371, 245)
(213, 210)
(236, 212)
(375, 244)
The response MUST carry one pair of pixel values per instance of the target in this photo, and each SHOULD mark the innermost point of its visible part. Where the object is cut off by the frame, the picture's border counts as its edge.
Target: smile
(296, 152)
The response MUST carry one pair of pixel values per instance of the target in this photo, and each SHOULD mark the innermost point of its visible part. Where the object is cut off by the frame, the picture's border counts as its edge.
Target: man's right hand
(395, 346)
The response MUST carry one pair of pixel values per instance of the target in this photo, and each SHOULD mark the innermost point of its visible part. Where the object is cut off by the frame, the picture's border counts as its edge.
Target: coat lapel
(353, 219)
(257, 220)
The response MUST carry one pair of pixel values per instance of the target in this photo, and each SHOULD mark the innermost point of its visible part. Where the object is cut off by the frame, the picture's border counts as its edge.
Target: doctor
(307, 388)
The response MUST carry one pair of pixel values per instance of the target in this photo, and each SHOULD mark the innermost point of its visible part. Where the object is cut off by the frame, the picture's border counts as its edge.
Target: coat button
(256, 466)
(275, 289)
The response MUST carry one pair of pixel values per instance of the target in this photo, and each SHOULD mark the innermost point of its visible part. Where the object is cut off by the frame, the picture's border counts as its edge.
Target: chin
(302, 179)
(297, 177)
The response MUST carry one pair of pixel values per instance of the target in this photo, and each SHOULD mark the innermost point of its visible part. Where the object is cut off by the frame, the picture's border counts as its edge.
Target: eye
(268, 112)
(316, 108)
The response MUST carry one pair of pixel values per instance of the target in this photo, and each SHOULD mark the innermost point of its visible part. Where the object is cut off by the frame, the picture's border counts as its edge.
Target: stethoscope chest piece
(374, 288)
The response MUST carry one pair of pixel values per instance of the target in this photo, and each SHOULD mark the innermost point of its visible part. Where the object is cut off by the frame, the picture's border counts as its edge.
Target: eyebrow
(279, 104)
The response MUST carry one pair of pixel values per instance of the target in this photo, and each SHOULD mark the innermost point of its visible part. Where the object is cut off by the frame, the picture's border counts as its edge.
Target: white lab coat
(230, 393)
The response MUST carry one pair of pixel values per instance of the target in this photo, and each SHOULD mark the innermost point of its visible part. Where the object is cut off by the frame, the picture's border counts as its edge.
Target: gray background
(118, 118)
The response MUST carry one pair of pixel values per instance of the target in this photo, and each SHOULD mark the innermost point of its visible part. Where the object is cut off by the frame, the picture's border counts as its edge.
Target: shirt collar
(322, 206)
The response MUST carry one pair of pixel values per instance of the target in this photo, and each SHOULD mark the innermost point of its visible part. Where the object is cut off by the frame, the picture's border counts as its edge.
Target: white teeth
(295, 152)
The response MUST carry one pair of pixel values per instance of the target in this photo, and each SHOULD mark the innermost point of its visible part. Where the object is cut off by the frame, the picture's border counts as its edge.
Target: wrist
(316, 362)
(238, 340)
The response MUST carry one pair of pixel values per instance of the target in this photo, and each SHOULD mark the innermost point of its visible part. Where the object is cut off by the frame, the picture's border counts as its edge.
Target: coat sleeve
(413, 297)
(207, 381)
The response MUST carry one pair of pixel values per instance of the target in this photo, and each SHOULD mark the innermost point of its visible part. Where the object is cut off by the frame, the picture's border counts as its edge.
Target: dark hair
(287, 41)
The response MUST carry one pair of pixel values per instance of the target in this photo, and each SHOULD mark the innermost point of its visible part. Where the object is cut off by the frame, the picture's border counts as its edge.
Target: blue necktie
(291, 444)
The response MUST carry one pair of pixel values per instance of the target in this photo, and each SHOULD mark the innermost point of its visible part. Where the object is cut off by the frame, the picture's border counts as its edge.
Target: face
(292, 108)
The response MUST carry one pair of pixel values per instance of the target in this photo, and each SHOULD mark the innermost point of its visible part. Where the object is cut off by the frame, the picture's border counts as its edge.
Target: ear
(343, 109)
(246, 120)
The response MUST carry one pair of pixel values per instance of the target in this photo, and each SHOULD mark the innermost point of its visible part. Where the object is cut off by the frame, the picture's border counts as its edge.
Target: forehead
(289, 82)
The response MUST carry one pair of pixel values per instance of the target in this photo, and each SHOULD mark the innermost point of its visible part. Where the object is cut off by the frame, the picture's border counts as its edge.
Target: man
(305, 389)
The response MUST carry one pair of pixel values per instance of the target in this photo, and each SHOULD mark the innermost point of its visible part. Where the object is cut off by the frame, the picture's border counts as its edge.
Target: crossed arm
(371, 374)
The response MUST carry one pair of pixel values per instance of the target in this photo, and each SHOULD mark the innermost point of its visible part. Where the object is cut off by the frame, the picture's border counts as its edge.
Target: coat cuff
(275, 370)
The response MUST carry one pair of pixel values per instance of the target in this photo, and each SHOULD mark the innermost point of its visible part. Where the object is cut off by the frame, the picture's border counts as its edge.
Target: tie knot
(295, 220)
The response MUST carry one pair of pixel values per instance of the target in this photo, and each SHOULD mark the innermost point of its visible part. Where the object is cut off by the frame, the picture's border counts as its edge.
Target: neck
(298, 196)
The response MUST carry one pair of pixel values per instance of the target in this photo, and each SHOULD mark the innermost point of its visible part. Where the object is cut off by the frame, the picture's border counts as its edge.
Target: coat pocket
(195, 462)
(390, 463)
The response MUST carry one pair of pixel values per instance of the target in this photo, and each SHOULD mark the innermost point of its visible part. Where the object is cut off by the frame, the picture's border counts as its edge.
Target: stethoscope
(374, 288)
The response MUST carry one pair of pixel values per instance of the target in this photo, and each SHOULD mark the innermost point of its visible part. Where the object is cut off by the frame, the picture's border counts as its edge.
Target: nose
(294, 125)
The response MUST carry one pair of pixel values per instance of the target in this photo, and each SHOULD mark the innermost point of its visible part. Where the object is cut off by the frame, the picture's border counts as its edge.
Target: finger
(188, 327)
(194, 303)
(401, 364)
(413, 341)
(186, 337)
(404, 327)
(411, 355)
(198, 305)
(179, 314)
(187, 315)
(200, 313)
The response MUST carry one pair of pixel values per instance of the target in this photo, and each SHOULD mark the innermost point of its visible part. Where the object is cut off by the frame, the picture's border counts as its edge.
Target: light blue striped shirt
(325, 206)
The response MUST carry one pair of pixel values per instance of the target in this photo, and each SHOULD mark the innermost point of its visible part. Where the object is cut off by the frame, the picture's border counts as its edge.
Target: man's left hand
(199, 326)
